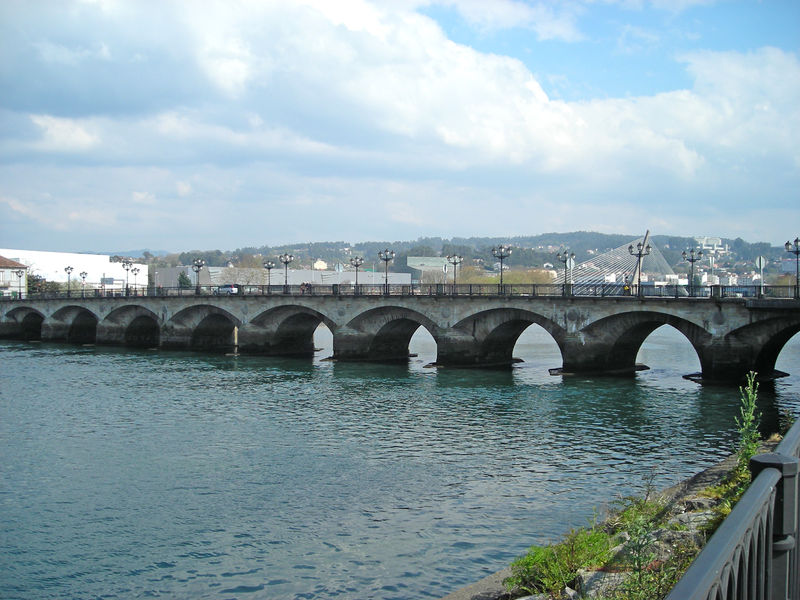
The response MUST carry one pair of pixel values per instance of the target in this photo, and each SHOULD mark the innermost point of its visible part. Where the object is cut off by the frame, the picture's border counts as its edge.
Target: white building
(711, 245)
(13, 277)
(101, 273)
(167, 277)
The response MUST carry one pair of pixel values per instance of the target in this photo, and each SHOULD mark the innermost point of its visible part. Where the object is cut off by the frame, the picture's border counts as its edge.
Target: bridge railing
(595, 290)
(754, 552)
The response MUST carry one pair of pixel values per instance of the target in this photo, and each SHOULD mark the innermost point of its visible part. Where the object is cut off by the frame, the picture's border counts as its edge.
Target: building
(711, 245)
(101, 273)
(13, 278)
(432, 269)
(215, 276)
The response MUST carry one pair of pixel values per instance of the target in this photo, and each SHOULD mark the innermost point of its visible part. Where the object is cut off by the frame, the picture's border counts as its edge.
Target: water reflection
(179, 471)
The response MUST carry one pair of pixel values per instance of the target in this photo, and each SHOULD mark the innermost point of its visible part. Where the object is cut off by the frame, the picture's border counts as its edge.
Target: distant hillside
(527, 251)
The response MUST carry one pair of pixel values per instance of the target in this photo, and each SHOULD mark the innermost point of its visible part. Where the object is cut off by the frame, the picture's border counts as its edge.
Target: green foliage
(213, 258)
(548, 569)
(36, 283)
(748, 424)
(636, 511)
(184, 281)
(734, 485)
(656, 583)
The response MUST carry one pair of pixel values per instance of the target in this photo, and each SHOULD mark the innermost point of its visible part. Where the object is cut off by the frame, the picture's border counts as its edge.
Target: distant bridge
(733, 330)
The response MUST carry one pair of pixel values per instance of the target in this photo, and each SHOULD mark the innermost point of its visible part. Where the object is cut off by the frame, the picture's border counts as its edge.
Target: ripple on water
(177, 475)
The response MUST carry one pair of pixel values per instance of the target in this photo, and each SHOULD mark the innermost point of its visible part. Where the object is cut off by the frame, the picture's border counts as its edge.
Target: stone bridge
(594, 334)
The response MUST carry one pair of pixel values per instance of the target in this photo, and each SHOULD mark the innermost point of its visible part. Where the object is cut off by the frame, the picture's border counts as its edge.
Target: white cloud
(71, 56)
(146, 198)
(549, 20)
(63, 135)
(313, 106)
(184, 188)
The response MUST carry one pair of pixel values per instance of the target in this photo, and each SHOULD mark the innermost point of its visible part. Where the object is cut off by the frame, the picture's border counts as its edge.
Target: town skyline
(134, 125)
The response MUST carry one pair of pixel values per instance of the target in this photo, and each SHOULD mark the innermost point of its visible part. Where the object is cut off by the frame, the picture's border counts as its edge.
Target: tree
(184, 281)
(36, 283)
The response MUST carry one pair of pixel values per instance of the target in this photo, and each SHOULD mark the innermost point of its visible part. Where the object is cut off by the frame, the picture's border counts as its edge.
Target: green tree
(184, 281)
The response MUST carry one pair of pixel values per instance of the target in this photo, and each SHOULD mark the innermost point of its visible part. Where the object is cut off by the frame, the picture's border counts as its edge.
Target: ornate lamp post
(126, 264)
(692, 257)
(197, 266)
(357, 261)
(501, 253)
(568, 258)
(286, 259)
(386, 256)
(455, 260)
(269, 265)
(640, 252)
(83, 284)
(795, 249)
(135, 271)
(69, 270)
(19, 273)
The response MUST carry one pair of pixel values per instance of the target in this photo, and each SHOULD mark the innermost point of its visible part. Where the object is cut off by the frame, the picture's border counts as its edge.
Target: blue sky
(224, 124)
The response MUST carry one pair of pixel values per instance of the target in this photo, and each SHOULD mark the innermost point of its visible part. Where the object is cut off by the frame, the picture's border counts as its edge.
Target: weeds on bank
(654, 583)
(734, 485)
(549, 569)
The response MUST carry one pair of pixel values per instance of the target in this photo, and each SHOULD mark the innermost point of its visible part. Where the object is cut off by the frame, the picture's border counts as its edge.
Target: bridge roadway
(596, 335)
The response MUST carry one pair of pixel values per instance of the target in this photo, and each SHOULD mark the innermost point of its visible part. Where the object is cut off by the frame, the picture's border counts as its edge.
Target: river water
(139, 474)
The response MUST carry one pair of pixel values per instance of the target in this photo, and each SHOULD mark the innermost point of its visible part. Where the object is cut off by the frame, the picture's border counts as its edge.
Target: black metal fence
(754, 555)
(596, 290)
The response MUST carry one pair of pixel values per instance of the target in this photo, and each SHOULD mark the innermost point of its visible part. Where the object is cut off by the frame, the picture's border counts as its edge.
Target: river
(138, 474)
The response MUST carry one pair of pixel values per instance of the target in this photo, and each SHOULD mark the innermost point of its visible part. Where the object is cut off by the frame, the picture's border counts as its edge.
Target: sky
(180, 125)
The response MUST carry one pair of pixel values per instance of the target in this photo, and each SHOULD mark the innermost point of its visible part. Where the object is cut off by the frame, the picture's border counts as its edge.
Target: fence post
(785, 525)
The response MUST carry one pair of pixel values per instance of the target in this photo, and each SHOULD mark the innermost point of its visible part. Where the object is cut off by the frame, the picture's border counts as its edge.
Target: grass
(549, 569)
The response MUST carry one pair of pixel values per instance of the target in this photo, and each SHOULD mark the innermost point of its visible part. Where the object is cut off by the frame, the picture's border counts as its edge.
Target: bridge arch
(72, 324)
(283, 331)
(381, 334)
(764, 341)
(131, 325)
(487, 338)
(203, 327)
(610, 345)
(24, 323)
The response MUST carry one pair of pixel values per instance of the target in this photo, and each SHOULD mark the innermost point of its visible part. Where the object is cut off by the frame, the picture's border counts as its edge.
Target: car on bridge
(227, 290)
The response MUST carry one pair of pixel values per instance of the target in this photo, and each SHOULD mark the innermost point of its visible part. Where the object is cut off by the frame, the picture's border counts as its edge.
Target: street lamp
(83, 284)
(126, 264)
(135, 271)
(286, 259)
(386, 256)
(69, 279)
(501, 253)
(455, 260)
(357, 261)
(197, 266)
(795, 249)
(568, 258)
(692, 257)
(19, 273)
(269, 265)
(641, 251)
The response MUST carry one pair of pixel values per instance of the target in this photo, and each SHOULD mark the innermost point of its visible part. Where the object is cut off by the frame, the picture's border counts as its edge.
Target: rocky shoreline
(683, 503)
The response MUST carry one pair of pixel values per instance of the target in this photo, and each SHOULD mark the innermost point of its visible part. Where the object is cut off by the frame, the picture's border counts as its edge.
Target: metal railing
(754, 553)
(531, 290)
